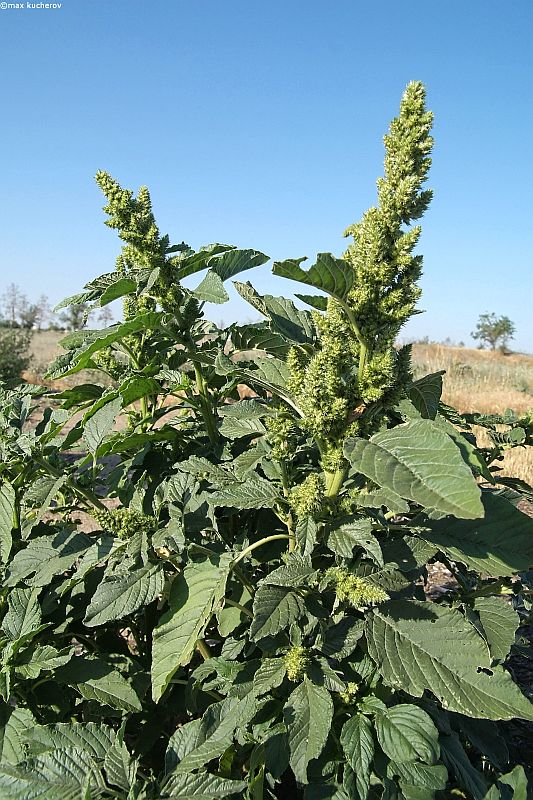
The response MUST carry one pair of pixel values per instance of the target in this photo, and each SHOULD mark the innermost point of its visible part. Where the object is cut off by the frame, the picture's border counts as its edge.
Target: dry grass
(475, 380)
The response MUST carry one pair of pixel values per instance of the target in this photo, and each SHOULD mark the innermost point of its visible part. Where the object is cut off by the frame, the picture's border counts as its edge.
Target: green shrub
(247, 618)
(14, 353)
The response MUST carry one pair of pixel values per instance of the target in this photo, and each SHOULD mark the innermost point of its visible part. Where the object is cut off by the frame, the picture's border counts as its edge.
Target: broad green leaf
(66, 774)
(340, 640)
(47, 556)
(233, 428)
(419, 781)
(119, 595)
(34, 659)
(358, 744)
(499, 621)
(516, 779)
(425, 394)
(23, 616)
(232, 262)
(7, 510)
(195, 593)
(297, 571)
(460, 766)
(485, 736)
(249, 409)
(270, 374)
(15, 725)
(499, 544)
(100, 424)
(96, 680)
(346, 534)
(120, 768)
(308, 713)
(195, 262)
(219, 724)
(335, 276)
(275, 608)
(406, 733)
(93, 738)
(270, 675)
(201, 786)
(306, 533)
(137, 386)
(421, 463)
(317, 301)
(419, 646)
(259, 337)
(255, 492)
(211, 289)
(287, 320)
(408, 552)
(118, 289)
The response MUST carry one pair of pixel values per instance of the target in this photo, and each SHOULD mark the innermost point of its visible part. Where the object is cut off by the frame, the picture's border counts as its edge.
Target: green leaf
(459, 765)
(255, 492)
(287, 320)
(421, 463)
(340, 640)
(269, 675)
(516, 779)
(118, 289)
(137, 386)
(47, 556)
(308, 713)
(232, 262)
(120, 595)
(274, 609)
(95, 739)
(100, 424)
(317, 301)
(233, 428)
(499, 621)
(306, 533)
(419, 646)
(96, 680)
(335, 276)
(419, 781)
(425, 394)
(500, 544)
(219, 724)
(201, 786)
(34, 659)
(120, 768)
(24, 614)
(259, 337)
(7, 511)
(297, 571)
(211, 289)
(15, 725)
(358, 745)
(346, 534)
(406, 733)
(66, 774)
(195, 593)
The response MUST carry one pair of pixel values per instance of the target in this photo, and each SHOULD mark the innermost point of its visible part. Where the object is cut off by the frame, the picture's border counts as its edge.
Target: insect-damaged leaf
(419, 646)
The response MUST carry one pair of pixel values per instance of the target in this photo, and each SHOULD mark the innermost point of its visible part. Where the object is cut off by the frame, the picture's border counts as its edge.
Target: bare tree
(105, 316)
(12, 301)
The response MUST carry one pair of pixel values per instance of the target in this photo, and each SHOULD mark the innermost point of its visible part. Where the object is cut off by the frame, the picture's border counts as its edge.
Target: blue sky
(260, 124)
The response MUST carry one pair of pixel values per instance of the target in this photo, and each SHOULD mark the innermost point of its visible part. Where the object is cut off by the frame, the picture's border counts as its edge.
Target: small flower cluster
(124, 522)
(306, 499)
(296, 662)
(281, 435)
(350, 693)
(352, 589)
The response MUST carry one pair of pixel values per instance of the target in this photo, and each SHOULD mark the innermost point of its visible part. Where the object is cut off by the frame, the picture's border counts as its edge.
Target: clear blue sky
(260, 124)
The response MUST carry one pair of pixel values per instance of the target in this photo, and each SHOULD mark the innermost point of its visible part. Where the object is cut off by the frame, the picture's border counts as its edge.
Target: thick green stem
(85, 493)
(255, 545)
(203, 649)
(334, 481)
(205, 405)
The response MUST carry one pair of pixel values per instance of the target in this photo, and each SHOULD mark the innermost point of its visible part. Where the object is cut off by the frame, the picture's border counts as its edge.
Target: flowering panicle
(296, 662)
(354, 590)
(124, 522)
(358, 374)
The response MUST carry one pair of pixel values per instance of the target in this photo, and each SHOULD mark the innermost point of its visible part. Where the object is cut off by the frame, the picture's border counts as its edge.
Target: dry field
(475, 380)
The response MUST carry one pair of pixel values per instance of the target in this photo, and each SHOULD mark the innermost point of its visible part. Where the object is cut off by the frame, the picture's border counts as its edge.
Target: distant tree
(494, 331)
(44, 312)
(14, 353)
(105, 316)
(12, 300)
(28, 314)
(75, 317)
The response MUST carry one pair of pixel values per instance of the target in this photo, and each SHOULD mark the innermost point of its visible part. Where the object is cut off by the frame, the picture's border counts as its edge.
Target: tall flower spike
(357, 375)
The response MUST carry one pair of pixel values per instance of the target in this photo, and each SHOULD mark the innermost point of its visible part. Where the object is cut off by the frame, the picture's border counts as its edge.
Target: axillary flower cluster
(345, 388)
(354, 590)
(124, 522)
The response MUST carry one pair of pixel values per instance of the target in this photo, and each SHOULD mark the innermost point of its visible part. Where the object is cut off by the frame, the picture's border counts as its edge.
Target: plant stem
(203, 649)
(206, 410)
(86, 493)
(334, 481)
(261, 542)
(244, 610)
